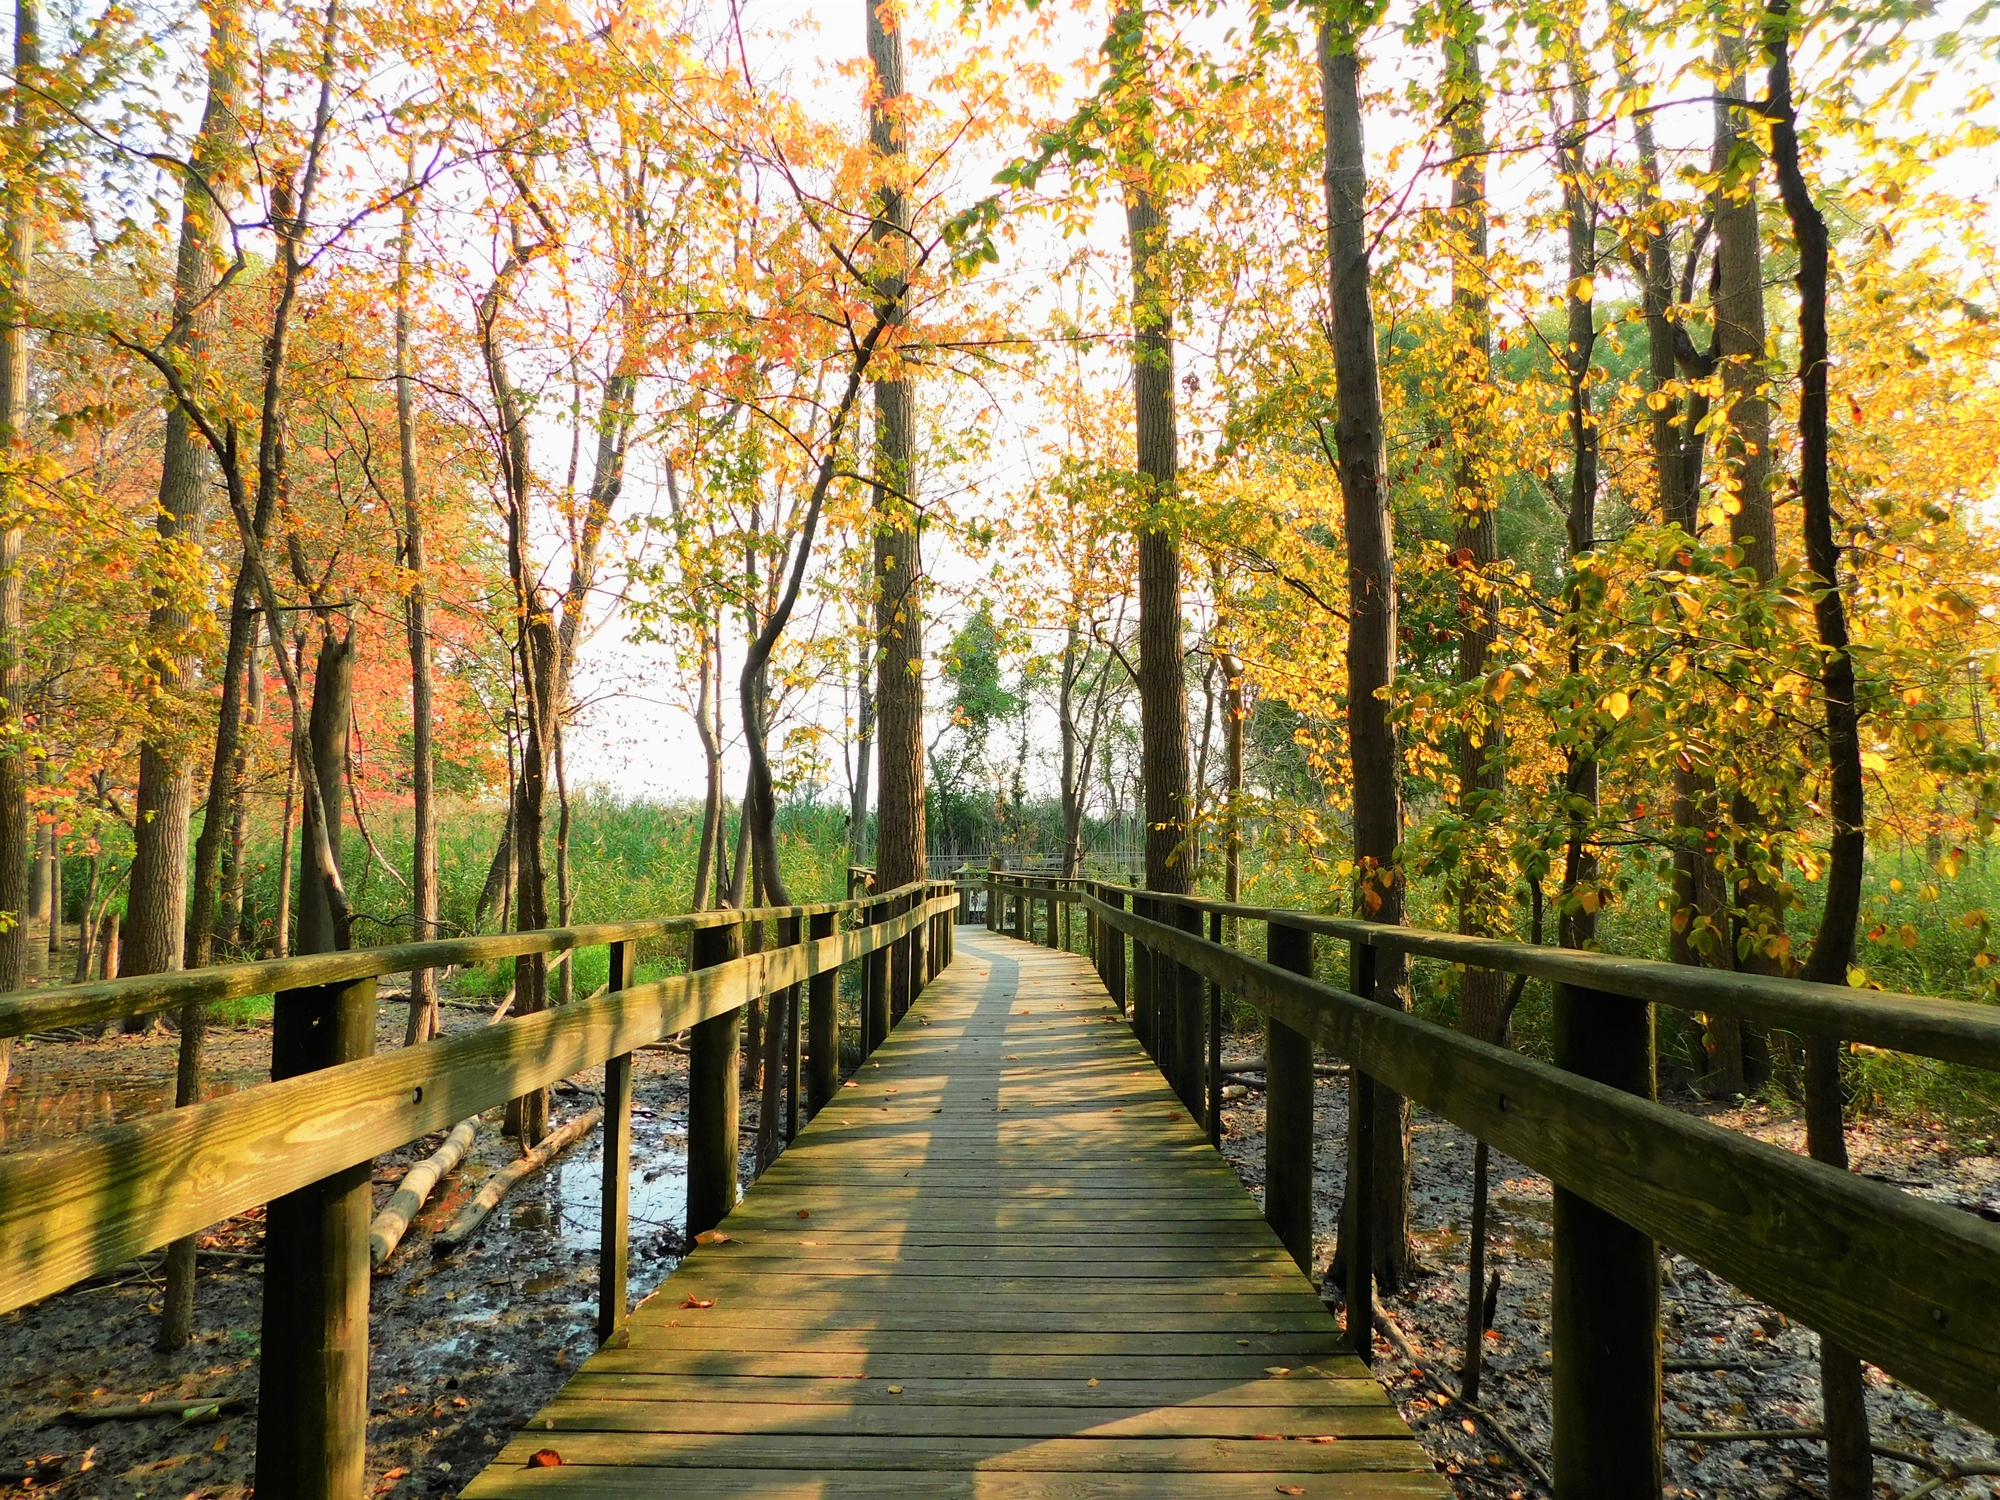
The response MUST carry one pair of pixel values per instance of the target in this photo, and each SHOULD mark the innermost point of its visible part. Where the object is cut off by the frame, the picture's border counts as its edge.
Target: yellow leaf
(1876, 761)
(1908, 935)
(1616, 704)
(1582, 289)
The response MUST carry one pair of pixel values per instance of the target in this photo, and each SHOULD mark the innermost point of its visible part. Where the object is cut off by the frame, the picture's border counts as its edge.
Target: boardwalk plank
(1002, 1263)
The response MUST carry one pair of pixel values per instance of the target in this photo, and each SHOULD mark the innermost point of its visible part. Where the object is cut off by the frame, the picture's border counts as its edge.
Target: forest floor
(464, 1349)
(1733, 1364)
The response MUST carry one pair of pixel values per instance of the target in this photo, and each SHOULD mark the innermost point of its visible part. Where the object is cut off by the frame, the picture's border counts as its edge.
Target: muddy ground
(464, 1349)
(1758, 1371)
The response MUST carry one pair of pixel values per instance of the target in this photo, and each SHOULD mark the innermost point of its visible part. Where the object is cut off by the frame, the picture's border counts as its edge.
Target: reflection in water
(36, 1110)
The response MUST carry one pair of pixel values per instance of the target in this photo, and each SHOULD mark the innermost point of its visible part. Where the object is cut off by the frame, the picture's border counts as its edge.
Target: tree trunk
(156, 912)
(86, 923)
(1578, 922)
(1232, 839)
(1482, 774)
(1371, 591)
(14, 356)
(244, 622)
(332, 704)
(1757, 910)
(1850, 1465)
(864, 743)
(899, 621)
(424, 1018)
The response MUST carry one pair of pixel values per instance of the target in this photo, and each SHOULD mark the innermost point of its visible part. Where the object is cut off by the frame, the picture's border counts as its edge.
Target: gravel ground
(1758, 1370)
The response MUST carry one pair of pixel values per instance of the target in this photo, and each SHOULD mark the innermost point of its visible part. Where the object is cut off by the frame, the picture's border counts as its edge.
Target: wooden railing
(1907, 1284)
(303, 1144)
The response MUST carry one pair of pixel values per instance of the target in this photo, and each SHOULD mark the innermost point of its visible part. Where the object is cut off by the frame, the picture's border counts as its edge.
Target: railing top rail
(1960, 1031)
(25, 1011)
(1906, 1282)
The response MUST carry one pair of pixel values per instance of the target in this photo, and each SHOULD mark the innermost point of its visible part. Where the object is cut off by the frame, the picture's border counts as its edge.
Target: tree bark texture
(1482, 775)
(1850, 1466)
(1371, 585)
(899, 620)
(424, 1017)
(332, 703)
(14, 357)
(156, 908)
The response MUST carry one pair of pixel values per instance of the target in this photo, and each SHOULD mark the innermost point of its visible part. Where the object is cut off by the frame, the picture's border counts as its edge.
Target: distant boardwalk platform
(1002, 1262)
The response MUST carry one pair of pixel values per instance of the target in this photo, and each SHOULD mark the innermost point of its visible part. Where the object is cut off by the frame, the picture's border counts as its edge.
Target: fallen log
(187, 1408)
(488, 1199)
(390, 1225)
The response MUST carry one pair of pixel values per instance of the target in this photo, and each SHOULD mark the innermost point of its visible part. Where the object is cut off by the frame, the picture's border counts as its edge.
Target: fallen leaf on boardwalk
(1269, 1437)
(711, 1237)
(1244, 1342)
(1291, 1489)
(849, 1084)
(805, 1213)
(1277, 1369)
(895, 1390)
(1093, 1380)
(545, 1458)
(1326, 1437)
(698, 1302)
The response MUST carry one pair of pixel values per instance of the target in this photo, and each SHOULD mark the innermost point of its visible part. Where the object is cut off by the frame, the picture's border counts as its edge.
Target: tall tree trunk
(1757, 910)
(1232, 812)
(708, 724)
(332, 706)
(1579, 912)
(899, 620)
(424, 1018)
(245, 622)
(1850, 1465)
(14, 355)
(283, 928)
(1072, 781)
(1677, 455)
(1371, 598)
(1482, 774)
(864, 743)
(156, 908)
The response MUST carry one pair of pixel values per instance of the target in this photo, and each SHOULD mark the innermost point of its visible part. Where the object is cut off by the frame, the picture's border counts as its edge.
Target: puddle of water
(573, 1199)
(34, 1111)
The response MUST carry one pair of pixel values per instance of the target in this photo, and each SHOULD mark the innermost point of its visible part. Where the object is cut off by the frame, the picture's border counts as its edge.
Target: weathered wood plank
(1064, 1290)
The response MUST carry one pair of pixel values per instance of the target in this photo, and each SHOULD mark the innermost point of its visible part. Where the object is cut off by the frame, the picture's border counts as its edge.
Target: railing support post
(1288, 1111)
(1605, 1318)
(615, 1224)
(1054, 920)
(1190, 1039)
(1214, 1118)
(902, 968)
(312, 1376)
(1357, 1228)
(822, 1022)
(1114, 951)
(1142, 982)
(714, 1088)
(790, 931)
(874, 992)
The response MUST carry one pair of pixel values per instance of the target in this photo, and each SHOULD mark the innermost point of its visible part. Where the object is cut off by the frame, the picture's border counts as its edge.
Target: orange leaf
(545, 1458)
(711, 1237)
(694, 1301)
(805, 1213)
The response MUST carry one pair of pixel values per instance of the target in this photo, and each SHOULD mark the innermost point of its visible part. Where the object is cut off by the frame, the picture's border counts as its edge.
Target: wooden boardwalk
(1002, 1262)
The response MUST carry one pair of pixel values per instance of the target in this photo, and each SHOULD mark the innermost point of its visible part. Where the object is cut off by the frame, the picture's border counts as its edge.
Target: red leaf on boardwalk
(545, 1458)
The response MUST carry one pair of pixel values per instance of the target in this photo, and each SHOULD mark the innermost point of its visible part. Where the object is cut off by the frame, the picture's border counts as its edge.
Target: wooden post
(1605, 1318)
(902, 952)
(1189, 1039)
(1215, 1043)
(1142, 980)
(1115, 951)
(790, 930)
(1288, 1111)
(823, 1023)
(614, 1242)
(713, 1093)
(1358, 1212)
(312, 1376)
(1053, 928)
(874, 991)
(993, 894)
